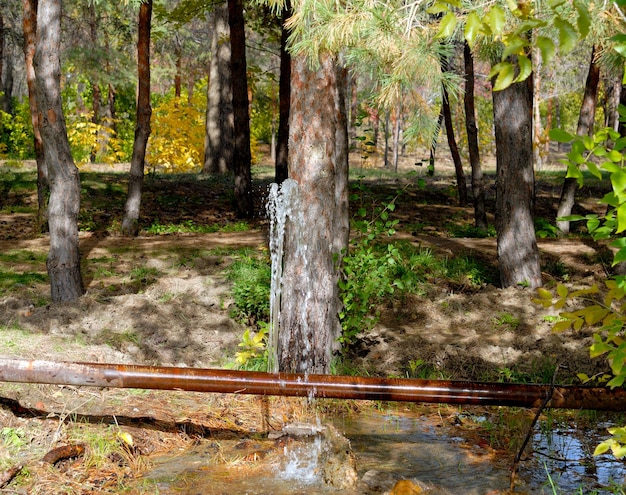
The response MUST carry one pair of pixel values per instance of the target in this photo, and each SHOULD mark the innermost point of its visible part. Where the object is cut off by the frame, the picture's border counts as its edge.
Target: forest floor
(166, 300)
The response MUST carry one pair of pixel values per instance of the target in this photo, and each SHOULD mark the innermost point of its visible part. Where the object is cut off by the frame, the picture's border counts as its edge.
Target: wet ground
(390, 447)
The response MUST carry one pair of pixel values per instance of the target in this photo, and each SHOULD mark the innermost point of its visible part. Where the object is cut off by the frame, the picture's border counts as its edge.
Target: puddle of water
(395, 446)
(566, 453)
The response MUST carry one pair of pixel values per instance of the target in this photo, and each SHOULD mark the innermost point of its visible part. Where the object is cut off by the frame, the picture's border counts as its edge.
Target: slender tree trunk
(219, 140)
(478, 182)
(63, 263)
(433, 144)
(318, 162)
(518, 255)
(284, 95)
(537, 148)
(2, 36)
(130, 222)
(96, 98)
(454, 150)
(7, 102)
(612, 89)
(396, 136)
(585, 127)
(241, 110)
(178, 77)
(386, 152)
(30, 39)
(354, 111)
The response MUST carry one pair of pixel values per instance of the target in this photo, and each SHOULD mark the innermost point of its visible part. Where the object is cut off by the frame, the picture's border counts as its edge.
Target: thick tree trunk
(30, 39)
(478, 182)
(242, 158)
(219, 140)
(585, 127)
(130, 222)
(63, 262)
(318, 162)
(454, 150)
(518, 255)
(284, 95)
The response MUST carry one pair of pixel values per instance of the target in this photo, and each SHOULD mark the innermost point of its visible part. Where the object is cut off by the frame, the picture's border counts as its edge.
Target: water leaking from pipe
(311, 385)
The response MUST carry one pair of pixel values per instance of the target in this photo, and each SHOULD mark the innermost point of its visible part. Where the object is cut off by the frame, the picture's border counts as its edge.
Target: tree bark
(478, 182)
(585, 127)
(318, 161)
(63, 262)
(518, 255)
(130, 222)
(454, 150)
(2, 36)
(29, 23)
(242, 158)
(219, 140)
(284, 95)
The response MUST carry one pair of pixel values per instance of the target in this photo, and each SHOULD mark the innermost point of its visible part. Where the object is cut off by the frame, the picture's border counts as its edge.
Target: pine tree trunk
(43, 187)
(242, 157)
(454, 150)
(130, 222)
(478, 182)
(585, 127)
(63, 262)
(318, 162)
(518, 255)
(219, 139)
(284, 95)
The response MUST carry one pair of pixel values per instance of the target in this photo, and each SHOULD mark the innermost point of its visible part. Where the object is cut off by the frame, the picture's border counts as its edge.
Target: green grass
(191, 227)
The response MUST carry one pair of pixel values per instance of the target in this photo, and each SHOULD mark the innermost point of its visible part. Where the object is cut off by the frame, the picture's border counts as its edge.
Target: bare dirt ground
(179, 315)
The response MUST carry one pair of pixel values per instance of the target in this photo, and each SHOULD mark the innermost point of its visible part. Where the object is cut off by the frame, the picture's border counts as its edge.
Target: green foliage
(544, 229)
(368, 271)
(189, 226)
(251, 278)
(557, 24)
(604, 313)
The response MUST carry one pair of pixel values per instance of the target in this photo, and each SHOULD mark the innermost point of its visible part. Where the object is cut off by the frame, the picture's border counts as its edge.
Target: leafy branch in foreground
(604, 313)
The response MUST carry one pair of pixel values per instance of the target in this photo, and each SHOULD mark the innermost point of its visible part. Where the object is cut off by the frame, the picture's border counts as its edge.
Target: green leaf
(438, 8)
(555, 3)
(560, 136)
(514, 45)
(546, 47)
(505, 77)
(595, 171)
(621, 218)
(544, 294)
(567, 34)
(525, 68)
(603, 447)
(561, 326)
(447, 25)
(496, 20)
(584, 19)
(561, 290)
(473, 27)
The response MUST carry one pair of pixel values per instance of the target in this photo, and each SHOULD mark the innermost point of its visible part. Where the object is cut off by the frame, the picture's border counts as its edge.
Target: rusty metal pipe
(313, 386)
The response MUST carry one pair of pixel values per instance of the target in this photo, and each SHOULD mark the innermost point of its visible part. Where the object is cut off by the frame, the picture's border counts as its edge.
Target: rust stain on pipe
(313, 386)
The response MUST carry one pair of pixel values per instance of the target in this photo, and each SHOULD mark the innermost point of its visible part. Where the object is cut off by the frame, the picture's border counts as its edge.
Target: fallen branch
(64, 452)
(7, 476)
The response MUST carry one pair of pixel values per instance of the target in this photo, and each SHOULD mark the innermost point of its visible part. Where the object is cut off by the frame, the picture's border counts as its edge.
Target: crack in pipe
(312, 385)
